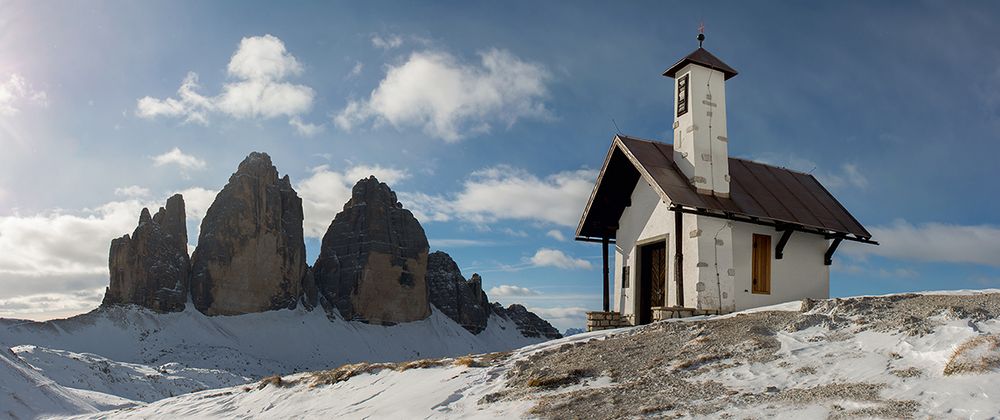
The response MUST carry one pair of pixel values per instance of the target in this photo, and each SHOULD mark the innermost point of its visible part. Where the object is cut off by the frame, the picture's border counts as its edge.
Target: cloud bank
(450, 99)
(935, 242)
(176, 157)
(258, 89)
(547, 257)
(325, 192)
(508, 193)
(16, 92)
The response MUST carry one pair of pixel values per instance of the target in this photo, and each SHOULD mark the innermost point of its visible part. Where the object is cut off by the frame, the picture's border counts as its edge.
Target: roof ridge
(641, 139)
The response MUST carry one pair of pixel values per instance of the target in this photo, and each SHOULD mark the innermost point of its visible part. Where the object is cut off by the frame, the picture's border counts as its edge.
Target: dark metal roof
(702, 57)
(780, 196)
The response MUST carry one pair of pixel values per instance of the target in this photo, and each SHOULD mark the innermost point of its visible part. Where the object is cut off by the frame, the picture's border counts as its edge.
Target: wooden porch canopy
(760, 194)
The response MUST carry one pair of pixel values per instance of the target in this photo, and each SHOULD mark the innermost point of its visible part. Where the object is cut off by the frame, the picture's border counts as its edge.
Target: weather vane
(701, 33)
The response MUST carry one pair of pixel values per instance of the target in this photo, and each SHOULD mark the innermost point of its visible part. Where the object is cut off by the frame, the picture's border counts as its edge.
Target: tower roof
(704, 58)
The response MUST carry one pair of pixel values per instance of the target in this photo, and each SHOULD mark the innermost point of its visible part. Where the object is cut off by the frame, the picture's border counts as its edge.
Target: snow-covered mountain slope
(26, 393)
(933, 355)
(128, 380)
(259, 344)
(128, 355)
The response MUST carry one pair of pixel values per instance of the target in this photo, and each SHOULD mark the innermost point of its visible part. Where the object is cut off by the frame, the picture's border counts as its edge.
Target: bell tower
(700, 139)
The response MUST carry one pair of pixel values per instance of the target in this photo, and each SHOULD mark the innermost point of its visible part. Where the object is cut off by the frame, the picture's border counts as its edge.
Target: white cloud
(176, 157)
(934, 242)
(259, 67)
(556, 234)
(356, 70)
(16, 91)
(197, 200)
(263, 58)
(547, 257)
(457, 243)
(515, 233)
(452, 100)
(858, 266)
(305, 129)
(191, 105)
(132, 191)
(58, 243)
(325, 192)
(51, 305)
(848, 175)
(506, 290)
(428, 208)
(65, 252)
(503, 192)
(563, 317)
(387, 42)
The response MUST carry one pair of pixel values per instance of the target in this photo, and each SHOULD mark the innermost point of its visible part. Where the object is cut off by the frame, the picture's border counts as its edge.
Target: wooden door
(761, 264)
(652, 278)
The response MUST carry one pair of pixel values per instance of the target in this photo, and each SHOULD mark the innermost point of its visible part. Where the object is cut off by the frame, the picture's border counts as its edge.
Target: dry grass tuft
(977, 355)
(345, 372)
(420, 364)
(910, 372)
(274, 380)
(482, 360)
(467, 361)
(558, 380)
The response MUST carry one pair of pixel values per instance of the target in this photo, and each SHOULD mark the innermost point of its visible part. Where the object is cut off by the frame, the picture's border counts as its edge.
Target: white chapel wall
(647, 219)
(800, 274)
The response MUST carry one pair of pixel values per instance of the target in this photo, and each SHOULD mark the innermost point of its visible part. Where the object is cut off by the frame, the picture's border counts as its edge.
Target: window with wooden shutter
(625, 277)
(761, 265)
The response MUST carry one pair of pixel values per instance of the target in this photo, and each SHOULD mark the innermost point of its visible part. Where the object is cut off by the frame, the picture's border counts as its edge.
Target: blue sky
(490, 121)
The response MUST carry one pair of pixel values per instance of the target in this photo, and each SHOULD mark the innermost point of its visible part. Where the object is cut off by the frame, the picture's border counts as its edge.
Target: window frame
(685, 79)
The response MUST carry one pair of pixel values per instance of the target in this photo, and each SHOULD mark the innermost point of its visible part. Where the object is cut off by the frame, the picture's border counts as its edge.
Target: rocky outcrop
(373, 264)
(373, 259)
(251, 253)
(527, 322)
(461, 300)
(151, 267)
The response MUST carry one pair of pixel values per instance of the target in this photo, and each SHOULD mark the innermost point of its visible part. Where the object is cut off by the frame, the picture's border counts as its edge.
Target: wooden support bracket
(828, 257)
(779, 249)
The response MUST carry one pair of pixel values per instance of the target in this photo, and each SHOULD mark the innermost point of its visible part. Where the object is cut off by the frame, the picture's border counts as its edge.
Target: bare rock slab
(150, 268)
(373, 260)
(461, 300)
(251, 252)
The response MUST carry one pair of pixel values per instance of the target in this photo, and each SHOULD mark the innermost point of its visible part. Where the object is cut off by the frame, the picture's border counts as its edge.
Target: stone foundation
(597, 321)
(661, 313)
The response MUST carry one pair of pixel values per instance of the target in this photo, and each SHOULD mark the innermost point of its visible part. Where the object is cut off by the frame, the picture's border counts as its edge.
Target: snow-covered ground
(25, 393)
(883, 356)
(130, 355)
(128, 380)
(449, 391)
(865, 357)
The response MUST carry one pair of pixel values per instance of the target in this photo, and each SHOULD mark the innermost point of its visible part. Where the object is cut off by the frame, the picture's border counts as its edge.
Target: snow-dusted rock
(251, 253)
(151, 268)
(528, 323)
(373, 260)
(461, 300)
